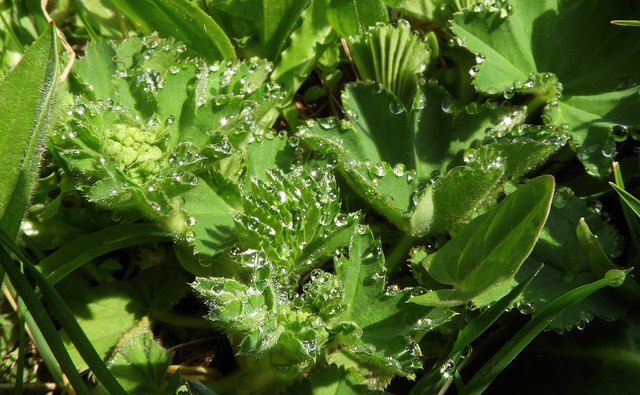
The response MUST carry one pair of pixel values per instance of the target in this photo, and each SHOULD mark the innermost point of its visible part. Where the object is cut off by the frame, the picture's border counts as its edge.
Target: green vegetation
(319, 196)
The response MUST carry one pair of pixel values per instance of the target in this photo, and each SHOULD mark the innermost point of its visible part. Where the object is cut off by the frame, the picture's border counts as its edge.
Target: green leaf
(84, 248)
(631, 216)
(567, 266)
(172, 118)
(434, 380)
(626, 23)
(394, 157)
(107, 311)
(328, 380)
(139, 363)
(184, 21)
(353, 17)
(262, 27)
(538, 323)
(599, 262)
(520, 48)
(308, 42)
(62, 313)
(104, 314)
(26, 99)
(295, 218)
(394, 57)
(96, 69)
(384, 323)
(43, 321)
(490, 250)
(631, 201)
(212, 205)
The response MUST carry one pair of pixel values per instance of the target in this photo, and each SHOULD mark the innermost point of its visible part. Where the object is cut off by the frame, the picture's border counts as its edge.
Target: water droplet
(473, 71)
(399, 169)
(620, 133)
(447, 105)
(480, 58)
(396, 107)
(340, 219)
(525, 307)
(509, 93)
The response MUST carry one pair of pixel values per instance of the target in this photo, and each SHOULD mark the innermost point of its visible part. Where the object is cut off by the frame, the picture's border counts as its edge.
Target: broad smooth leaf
(519, 48)
(184, 21)
(26, 100)
(212, 205)
(491, 248)
(353, 17)
(107, 311)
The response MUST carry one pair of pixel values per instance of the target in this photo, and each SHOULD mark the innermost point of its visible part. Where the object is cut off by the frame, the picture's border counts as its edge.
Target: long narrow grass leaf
(633, 221)
(28, 295)
(64, 317)
(184, 21)
(84, 248)
(480, 324)
(492, 368)
(44, 351)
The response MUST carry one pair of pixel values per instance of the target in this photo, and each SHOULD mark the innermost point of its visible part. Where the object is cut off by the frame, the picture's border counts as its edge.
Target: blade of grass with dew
(480, 324)
(42, 319)
(492, 368)
(633, 222)
(626, 23)
(61, 311)
(433, 381)
(84, 248)
(184, 21)
(599, 262)
(26, 100)
(36, 335)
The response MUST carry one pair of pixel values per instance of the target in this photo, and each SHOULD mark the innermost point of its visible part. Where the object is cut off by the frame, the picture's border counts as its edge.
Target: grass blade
(184, 21)
(434, 380)
(492, 368)
(26, 99)
(36, 335)
(626, 23)
(629, 200)
(62, 313)
(633, 222)
(42, 319)
(488, 317)
(599, 262)
(84, 248)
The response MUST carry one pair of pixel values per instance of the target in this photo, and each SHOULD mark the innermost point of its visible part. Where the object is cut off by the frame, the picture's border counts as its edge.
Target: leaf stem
(399, 252)
(183, 321)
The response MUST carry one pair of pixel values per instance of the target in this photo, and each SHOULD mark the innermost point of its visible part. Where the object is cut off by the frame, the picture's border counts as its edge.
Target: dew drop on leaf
(620, 133)
(396, 107)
